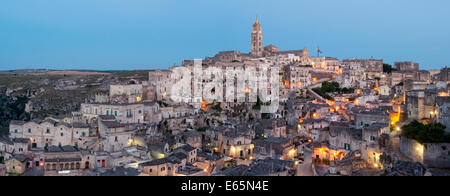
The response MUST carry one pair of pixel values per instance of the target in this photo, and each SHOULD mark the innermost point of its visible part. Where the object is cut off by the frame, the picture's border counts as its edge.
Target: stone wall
(434, 155)
(437, 155)
(412, 149)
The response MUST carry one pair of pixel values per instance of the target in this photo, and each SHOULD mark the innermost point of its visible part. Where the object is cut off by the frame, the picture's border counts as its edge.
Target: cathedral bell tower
(257, 39)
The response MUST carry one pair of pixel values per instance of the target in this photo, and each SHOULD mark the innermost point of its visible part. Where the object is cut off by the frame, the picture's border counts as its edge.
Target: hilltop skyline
(118, 35)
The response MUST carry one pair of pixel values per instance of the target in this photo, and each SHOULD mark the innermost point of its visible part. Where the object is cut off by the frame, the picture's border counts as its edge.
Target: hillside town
(349, 117)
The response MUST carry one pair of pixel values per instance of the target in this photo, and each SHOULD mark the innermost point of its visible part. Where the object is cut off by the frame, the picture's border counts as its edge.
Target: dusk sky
(153, 34)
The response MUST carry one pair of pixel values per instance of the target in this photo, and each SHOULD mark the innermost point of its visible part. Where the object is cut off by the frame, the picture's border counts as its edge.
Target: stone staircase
(394, 149)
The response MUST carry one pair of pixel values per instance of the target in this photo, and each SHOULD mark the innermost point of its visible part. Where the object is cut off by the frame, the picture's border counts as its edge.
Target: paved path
(394, 147)
(305, 169)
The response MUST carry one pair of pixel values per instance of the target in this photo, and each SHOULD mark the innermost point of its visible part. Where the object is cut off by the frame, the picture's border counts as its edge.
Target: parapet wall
(433, 155)
(437, 155)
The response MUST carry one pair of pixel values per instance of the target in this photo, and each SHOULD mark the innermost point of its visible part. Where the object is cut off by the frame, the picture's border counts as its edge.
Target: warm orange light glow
(443, 94)
(41, 164)
(205, 105)
(301, 120)
(299, 84)
(315, 115)
(314, 79)
(247, 90)
(394, 118)
(358, 91)
(287, 84)
(233, 149)
(356, 102)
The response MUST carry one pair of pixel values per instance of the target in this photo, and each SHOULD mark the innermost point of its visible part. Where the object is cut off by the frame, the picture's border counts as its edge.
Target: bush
(217, 107)
(430, 133)
(387, 68)
(257, 106)
(202, 129)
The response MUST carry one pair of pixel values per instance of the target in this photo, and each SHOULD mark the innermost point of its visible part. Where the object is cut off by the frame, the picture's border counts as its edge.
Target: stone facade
(124, 113)
(443, 111)
(435, 155)
(406, 66)
(257, 42)
(45, 133)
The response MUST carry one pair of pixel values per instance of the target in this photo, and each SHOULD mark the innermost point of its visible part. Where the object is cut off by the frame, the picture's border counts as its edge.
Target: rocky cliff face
(11, 108)
(30, 95)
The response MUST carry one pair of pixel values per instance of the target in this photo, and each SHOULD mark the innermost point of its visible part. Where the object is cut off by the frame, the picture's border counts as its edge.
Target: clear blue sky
(150, 34)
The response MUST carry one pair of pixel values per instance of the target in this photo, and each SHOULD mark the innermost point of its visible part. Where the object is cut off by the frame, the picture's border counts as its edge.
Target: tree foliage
(388, 68)
(430, 133)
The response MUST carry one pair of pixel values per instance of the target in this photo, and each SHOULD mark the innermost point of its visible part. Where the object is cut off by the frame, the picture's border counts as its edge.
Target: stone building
(2, 169)
(271, 128)
(312, 127)
(406, 66)
(46, 133)
(369, 65)
(114, 136)
(297, 77)
(269, 50)
(436, 155)
(125, 113)
(444, 74)
(10, 146)
(18, 164)
(364, 118)
(176, 164)
(257, 42)
(209, 162)
(326, 63)
(62, 160)
(443, 111)
(163, 167)
(162, 83)
(232, 142)
(349, 139)
(372, 133)
(126, 93)
(277, 148)
(264, 167)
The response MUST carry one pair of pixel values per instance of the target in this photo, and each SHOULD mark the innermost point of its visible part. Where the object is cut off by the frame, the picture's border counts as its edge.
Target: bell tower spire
(257, 39)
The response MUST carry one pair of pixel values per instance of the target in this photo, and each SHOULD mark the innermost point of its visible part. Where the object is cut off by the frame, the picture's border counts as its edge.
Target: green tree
(430, 133)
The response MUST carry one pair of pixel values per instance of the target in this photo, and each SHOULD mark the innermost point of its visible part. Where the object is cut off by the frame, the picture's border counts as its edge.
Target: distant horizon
(148, 35)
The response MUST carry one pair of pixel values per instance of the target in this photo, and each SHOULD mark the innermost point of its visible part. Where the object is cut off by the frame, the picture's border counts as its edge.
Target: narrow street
(305, 169)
